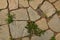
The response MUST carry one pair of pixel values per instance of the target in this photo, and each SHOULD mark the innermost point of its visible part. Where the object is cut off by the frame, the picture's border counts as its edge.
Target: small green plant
(53, 38)
(33, 29)
(10, 18)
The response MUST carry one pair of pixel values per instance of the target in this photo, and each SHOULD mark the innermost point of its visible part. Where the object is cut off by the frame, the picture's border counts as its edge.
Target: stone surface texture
(4, 32)
(48, 9)
(33, 14)
(17, 28)
(13, 4)
(57, 5)
(35, 3)
(58, 36)
(54, 23)
(3, 4)
(45, 13)
(23, 3)
(47, 36)
(3, 16)
(20, 14)
(42, 24)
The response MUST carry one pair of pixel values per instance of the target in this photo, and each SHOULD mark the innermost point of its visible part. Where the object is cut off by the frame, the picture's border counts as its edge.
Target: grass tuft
(33, 29)
(10, 18)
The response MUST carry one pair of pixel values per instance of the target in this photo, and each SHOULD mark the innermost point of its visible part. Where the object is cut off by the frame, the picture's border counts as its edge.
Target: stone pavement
(45, 13)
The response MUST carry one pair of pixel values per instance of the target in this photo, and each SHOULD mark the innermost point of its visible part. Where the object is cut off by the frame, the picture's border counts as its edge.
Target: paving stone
(20, 14)
(23, 3)
(4, 33)
(25, 32)
(3, 4)
(48, 9)
(57, 5)
(35, 3)
(13, 4)
(54, 23)
(33, 14)
(3, 16)
(42, 24)
(52, 1)
(26, 38)
(46, 36)
(36, 38)
(17, 28)
(58, 36)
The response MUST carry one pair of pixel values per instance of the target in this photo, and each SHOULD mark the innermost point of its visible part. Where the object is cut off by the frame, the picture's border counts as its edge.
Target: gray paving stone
(25, 32)
(48, 9)
(54, 23)
(3, 16)
(33, 14)
(4, 33)
(13, 4)
(47, 36)
(3, 4)
(20, 14)
(17, 28)
(35, 3)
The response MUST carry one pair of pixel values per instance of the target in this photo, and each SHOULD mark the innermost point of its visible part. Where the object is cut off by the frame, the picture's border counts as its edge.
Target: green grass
(10, 18)
(33, 29)
(53, 38)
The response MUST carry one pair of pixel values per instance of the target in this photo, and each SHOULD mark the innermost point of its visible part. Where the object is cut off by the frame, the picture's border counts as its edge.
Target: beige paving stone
(26, 38)
(58, 36)
(42, 24)
(3, 4)
(17, 28)
(4, 33)
(52, 1)
(48, 9)
(46, 36)
(54, 23)
(13, 4)
(3, 16)
(35, 3)
(23, 3)
(33, 14)
(57, 5)
(20, 14)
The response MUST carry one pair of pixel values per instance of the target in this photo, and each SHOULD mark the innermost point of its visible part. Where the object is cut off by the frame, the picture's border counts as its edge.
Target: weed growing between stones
(33, 29)
(10, 18)
(53, 38)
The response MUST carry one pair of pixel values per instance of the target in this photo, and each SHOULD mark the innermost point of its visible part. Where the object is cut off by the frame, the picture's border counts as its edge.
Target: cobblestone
(46, 18)
(3, 4)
